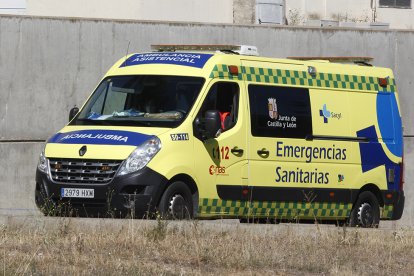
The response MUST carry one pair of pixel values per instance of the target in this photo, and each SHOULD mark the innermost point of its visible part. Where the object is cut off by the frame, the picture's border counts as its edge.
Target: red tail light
(402, 174)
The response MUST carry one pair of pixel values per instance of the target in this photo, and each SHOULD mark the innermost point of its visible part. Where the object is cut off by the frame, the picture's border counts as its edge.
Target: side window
(283, 112)
(223, 97)
(395, 3)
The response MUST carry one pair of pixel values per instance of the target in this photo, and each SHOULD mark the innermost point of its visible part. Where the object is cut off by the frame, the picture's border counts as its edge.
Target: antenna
(126, 55)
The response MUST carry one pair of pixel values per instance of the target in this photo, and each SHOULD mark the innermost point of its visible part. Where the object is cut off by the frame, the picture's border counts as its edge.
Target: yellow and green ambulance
(199, 131)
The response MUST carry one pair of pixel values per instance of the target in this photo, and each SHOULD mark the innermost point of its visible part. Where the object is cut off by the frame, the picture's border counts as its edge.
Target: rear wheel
(176, 202)
(365, 212)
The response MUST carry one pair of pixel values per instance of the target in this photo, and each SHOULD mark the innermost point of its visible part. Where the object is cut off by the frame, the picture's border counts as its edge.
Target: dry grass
(107, 247)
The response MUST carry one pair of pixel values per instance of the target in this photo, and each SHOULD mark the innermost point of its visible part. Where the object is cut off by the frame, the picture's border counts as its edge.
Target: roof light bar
(240, 49)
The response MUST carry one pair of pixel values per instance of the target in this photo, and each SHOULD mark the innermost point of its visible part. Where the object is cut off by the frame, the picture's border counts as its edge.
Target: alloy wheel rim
(365, 214)
(178, 207)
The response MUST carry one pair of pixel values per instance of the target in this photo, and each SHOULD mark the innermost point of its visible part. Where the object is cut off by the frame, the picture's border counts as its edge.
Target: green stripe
(302, 78)
(277, 209)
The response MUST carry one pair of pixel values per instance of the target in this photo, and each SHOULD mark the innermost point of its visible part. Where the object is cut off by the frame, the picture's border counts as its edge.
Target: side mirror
(212, 123)
(73, 112)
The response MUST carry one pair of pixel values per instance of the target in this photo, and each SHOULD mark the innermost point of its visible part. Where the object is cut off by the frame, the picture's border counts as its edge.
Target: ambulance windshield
(143, 100)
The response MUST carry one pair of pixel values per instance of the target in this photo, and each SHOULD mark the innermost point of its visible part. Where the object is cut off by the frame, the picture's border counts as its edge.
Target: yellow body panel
(175, 156)
(105, 152)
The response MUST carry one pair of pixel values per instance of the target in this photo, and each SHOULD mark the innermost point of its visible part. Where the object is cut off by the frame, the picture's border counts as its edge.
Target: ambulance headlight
(42, 164)
(140, 157)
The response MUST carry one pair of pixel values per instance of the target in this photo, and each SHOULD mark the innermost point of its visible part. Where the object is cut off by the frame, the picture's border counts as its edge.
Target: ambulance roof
(210, 63)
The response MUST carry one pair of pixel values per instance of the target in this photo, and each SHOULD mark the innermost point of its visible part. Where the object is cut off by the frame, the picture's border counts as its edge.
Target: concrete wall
(212, 11)
(18, 164)
(351, 10)
(244, 11)
(297, 12)
(12, 6)
(47, 65)
(348, 10)
(216, 11)
(398, 18)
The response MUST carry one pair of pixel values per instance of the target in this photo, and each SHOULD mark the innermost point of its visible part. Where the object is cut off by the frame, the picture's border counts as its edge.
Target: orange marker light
(383, 82)
(234, 70)
(389, 196)
(331, 194)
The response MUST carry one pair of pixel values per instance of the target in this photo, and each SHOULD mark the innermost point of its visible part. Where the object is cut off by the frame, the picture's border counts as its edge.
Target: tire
(42, 202)
(366, 212)
(259, 220)
(341, 223)
(176, 202)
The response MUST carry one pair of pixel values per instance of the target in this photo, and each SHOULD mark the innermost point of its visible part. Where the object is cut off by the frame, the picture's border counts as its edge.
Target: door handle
(263, 152)
(236, 151)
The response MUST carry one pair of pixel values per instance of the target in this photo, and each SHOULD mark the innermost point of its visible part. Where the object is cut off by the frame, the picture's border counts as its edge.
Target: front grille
(83, 171)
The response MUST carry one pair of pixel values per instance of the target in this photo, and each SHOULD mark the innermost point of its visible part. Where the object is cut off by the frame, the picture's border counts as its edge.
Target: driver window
(223, 97)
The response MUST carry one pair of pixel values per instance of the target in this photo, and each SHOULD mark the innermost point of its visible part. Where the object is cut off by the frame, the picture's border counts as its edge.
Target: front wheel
(366, 212)
(176, 202)
(43, 203)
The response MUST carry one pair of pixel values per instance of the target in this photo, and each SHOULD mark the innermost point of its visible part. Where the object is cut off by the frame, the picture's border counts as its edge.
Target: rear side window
(283, 112)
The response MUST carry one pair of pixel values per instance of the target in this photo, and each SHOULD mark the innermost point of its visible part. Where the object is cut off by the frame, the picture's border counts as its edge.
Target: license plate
(81, 193)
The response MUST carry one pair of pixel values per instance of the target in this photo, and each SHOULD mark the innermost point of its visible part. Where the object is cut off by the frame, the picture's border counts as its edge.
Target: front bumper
(136, 194)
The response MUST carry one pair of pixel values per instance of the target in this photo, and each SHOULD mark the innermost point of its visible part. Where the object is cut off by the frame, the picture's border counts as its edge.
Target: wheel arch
(373, 189)
(189, 181)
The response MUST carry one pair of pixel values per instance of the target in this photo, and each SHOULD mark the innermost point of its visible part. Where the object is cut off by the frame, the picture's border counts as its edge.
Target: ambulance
(217, 131)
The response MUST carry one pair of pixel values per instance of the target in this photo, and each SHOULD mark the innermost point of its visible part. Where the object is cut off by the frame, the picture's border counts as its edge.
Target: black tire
(365, 212)
(42, 202)
(259, 220)
(176, 202)
(248, 220)
(341, 223)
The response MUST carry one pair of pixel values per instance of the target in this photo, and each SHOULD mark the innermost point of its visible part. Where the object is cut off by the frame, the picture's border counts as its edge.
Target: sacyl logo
(326, 114)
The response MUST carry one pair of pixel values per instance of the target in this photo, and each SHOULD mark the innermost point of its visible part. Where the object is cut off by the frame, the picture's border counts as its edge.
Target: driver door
(221, 162)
